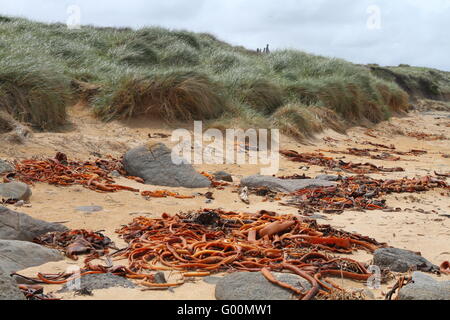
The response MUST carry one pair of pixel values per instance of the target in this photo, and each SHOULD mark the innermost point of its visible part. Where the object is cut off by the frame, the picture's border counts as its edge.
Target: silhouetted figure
(267, 49)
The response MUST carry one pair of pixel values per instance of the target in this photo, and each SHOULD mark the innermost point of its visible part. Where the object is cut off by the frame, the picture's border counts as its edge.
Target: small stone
(5, 167)
(223, 176)
(89, 209)
(115, 174)
(15, 191)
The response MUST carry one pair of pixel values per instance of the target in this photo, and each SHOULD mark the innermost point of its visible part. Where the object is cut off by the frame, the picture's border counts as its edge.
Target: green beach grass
(175, 74)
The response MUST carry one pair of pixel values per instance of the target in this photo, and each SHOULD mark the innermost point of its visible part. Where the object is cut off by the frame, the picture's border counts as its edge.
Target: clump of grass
(170, 96)
(34, 95)
(303, 122)
(262, 95)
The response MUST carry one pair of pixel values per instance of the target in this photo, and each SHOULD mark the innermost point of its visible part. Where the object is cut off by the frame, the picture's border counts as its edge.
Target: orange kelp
(358, 192)
(320, 159)
(211, 241)
(216, 241)
(59, 171)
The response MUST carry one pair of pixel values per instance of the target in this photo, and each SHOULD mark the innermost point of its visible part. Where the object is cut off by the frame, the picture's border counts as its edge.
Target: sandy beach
(422, 225)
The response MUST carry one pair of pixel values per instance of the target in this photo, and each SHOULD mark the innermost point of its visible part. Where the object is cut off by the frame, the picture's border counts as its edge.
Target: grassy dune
(167, 74)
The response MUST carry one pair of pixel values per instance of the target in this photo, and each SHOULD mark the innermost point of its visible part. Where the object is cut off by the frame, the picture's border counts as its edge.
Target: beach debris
(15, 191)
(20, 226)
(77, 242)
(420, 286)
(215, 183)
(358, 192)
(251, 243)
(243, 195)
(18, 255)
(320, 159)
(426, 136)
(94, 175)
(383, 155)
(164, 194)
(282, 185)
(198, 244)
(155, 165)
(158, 135)
(35, 292)
(399, 260)
(442, 175)
(445, 267)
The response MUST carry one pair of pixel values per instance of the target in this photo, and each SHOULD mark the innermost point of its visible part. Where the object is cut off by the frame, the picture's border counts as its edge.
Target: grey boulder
(19, 226)
(281, 185)
(98, 281)
(18, 255)
(399, 260)
(254, 286)
(154, 164)
(9, 289)
(15, 191)
(424, 287)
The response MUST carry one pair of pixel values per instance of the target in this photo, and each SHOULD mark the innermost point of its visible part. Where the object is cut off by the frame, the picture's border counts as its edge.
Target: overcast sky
(388, 32)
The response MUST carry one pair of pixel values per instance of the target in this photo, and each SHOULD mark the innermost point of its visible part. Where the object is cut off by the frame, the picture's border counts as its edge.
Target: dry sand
(428, 233)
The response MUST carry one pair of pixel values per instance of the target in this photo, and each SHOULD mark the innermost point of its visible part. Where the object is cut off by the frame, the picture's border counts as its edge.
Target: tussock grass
(419, 83)
(181, 96)
(176, 74)
(33, 95)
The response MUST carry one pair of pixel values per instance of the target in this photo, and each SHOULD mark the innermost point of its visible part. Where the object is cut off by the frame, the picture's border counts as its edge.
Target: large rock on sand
(281, 185)
(15, 191)
(399, 260)
(19, 226)
(253, 286)
(18, 255)
(9, 289)
(424, 287)
(154, 164)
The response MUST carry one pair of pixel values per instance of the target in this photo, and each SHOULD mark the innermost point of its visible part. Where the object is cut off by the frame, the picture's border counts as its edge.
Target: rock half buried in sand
(254, 286)
(154, 164)
(399, 260)
(5, 167)
(223, 176)
(15, 191)
(19, 226)
(9, 289)
(98, 281)
(89, 209)
(424, 287)
(18, 255)
(281, 185)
